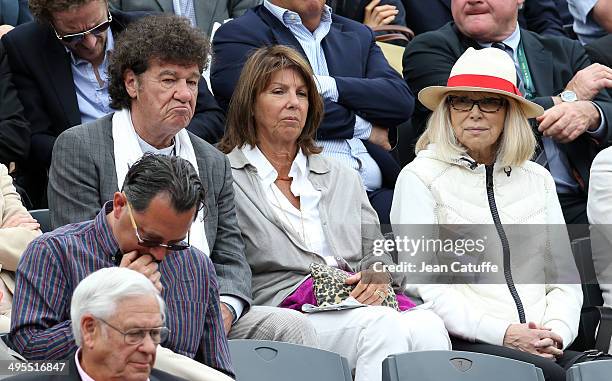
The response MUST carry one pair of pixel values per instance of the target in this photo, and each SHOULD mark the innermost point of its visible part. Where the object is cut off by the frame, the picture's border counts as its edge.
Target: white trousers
(366, 336)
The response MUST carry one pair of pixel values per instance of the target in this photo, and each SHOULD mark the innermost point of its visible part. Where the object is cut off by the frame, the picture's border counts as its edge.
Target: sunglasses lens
(73, 40)
(100, 28)
(178, 246)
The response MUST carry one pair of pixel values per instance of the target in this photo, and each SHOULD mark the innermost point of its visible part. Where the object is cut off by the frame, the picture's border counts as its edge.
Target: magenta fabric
(404, 303)
(304, 294)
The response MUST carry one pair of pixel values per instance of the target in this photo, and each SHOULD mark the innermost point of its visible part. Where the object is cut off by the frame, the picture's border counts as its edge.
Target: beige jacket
(13, 241)
(278, 260)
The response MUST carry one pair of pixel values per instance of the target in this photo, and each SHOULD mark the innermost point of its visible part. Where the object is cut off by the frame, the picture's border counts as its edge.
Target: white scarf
(127, 152)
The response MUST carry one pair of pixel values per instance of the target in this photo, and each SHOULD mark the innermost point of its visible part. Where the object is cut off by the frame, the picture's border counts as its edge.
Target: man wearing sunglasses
(59, 65)
(145, 228)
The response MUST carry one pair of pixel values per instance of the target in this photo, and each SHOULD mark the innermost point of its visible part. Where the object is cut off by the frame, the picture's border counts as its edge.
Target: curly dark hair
(167, 38)
(43, 10)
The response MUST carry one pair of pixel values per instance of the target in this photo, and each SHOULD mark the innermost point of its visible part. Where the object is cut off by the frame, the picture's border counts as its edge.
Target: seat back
(457, 366)
(43, 218)
(590, 371)
(262, 360)
(589, 318)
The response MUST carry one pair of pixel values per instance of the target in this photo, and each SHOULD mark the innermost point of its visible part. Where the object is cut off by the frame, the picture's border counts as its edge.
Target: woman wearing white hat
(472, 167)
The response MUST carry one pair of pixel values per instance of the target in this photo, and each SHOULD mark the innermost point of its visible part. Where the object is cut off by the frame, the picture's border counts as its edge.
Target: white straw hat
(488, 70)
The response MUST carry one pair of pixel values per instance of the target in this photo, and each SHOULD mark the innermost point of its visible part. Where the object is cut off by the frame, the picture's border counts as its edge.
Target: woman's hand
(21, 220)
(376, 15)
(534, 339)
(371, 287)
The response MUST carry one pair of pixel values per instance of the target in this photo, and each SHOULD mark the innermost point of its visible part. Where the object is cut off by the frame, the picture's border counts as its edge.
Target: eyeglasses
(74, 38)
(178, 246)
(464, 104)
(136, 336)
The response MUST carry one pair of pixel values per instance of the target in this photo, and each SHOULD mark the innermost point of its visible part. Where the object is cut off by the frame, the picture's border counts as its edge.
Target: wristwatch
(568, 96)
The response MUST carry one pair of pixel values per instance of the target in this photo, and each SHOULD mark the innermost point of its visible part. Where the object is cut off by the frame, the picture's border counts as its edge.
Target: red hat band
(484, 82)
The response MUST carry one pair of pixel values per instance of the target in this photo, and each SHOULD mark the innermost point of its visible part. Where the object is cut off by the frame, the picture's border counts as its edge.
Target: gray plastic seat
(262, 360)
(43, 218)
(590, 371)
(457, 366)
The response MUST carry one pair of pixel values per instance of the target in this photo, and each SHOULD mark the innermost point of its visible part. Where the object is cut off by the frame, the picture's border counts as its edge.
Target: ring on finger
(380, 294)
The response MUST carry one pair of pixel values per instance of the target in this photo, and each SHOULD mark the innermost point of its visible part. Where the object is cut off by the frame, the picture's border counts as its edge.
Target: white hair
(101, 291)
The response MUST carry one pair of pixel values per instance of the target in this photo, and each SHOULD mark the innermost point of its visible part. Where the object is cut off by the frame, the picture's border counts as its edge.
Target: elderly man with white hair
(118, 320)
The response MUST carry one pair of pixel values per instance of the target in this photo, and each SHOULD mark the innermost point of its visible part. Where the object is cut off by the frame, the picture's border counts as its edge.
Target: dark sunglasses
(74, 38)
(178, 246)
(464, 104)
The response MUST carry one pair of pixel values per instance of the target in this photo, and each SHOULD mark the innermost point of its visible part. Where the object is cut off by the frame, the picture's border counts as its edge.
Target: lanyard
(524, 71)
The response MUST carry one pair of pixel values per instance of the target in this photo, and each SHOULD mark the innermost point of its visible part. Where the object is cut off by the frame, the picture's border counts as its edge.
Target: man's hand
(380, 137)
(533, 339)
(371, 287)
(376, 15)
(228, 318)
(565, 122)
(21, 220)
(590, 81)
(144, 264)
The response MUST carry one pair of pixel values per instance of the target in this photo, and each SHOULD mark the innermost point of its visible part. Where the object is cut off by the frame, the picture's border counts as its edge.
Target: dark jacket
(367, 85)
(540, 16)
(14, 128)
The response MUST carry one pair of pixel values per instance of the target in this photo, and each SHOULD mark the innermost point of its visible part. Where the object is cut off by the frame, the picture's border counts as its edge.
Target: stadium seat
(457, 366)
(43, 218)
(262, 360)
(592, 311)
(590, 371)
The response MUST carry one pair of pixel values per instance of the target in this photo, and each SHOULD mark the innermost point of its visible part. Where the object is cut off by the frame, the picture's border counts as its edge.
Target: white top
(306, 221)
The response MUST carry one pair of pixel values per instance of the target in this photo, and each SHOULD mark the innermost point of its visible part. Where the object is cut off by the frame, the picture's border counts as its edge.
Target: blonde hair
(516, 143)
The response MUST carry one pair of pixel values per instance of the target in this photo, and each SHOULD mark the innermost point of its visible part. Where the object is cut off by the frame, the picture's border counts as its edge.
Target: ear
(130, 80)
(119, 202)
(89, 330)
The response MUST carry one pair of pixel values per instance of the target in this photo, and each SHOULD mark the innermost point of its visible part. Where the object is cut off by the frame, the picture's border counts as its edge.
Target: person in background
(201, 13)
(17, 230)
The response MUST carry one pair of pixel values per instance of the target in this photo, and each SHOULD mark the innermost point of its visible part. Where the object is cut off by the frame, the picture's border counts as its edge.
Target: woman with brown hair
(295, 208)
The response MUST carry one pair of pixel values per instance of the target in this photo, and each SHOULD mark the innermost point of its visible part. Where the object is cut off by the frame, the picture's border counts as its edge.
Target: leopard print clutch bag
(329, 287)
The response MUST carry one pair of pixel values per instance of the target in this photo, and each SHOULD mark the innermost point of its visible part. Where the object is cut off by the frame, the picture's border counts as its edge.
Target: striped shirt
(351, 152)
(53, 265)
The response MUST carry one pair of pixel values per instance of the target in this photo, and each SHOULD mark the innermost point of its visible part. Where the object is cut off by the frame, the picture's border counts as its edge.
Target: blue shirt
(92, 98)
(351, 152)
(585, 26)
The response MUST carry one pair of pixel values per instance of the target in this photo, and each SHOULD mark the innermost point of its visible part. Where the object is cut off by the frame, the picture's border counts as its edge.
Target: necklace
(303, 237)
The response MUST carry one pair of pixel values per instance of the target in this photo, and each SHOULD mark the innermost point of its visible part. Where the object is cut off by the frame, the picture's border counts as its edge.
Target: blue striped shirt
(56, 262)
(351, 152)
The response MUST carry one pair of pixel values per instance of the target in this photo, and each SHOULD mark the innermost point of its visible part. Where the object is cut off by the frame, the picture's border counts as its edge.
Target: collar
(288, 17)
(84, 376)
(110, 44)
(314, 163)
(512, 41)
(105, 235)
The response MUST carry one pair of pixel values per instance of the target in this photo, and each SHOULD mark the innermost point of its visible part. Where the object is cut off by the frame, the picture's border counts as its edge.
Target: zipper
(505, 245)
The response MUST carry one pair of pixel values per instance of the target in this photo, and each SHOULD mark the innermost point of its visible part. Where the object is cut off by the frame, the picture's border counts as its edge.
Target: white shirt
(305, 222)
